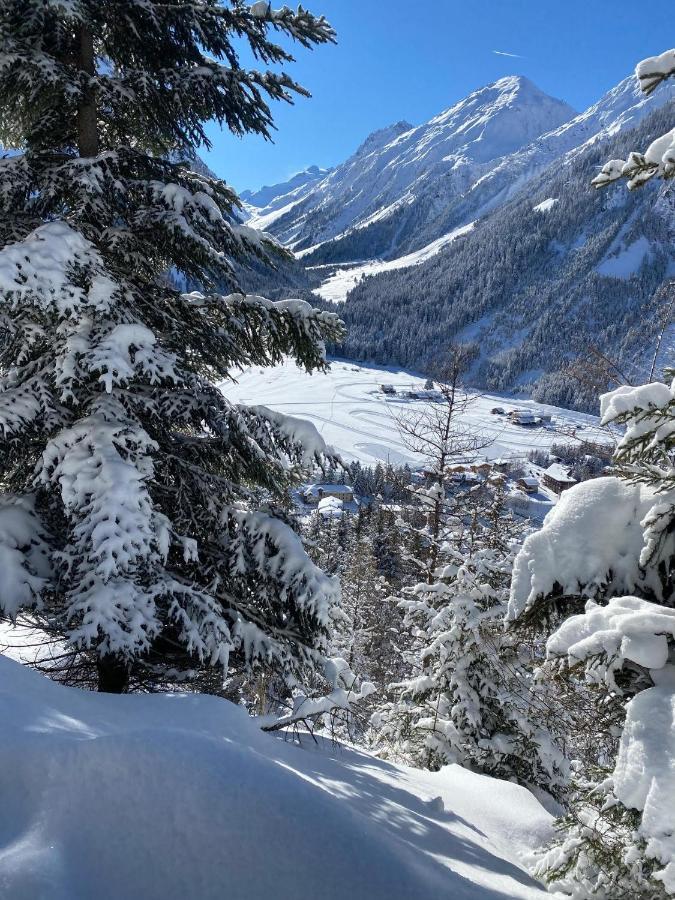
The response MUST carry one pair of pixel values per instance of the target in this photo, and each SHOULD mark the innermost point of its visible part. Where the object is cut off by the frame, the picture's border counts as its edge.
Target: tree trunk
(113, 674)
(87, 126)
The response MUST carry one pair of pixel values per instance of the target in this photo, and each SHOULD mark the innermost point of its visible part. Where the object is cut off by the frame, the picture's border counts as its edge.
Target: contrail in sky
(504, 53)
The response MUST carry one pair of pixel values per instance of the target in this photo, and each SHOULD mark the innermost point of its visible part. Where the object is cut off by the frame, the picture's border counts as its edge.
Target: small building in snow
(528, 483)
(501, 465)
(497, 411)
(387, 388)
(557, 478)
(433, 395)
(522, 417)
(317, 492)
(330, 508)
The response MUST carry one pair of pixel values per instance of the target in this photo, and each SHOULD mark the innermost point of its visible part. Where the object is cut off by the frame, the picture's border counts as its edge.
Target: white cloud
(505, 53)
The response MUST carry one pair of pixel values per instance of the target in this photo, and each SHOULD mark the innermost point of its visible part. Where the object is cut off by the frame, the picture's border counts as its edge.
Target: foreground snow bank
(175, 796)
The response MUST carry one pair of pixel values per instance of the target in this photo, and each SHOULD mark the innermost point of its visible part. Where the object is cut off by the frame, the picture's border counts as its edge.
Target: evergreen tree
(386, 542)
(472, 697)
(443, 442)
(130, 508)
(615, 537)
(364, 636)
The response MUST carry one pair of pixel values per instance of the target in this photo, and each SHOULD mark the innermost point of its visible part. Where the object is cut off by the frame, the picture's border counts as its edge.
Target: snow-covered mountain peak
(383, 136)
(622, 107)
(267, 194)
(502, 116)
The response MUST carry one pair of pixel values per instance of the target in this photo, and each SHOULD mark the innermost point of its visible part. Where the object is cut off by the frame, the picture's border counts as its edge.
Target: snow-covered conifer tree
(129, 510)
(472, 697)
(612, 542)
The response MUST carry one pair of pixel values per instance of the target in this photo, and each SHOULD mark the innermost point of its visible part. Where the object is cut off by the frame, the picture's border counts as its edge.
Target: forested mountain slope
(558, 268)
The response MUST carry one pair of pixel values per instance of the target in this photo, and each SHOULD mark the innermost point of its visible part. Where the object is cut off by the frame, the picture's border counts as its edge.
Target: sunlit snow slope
(169, 797)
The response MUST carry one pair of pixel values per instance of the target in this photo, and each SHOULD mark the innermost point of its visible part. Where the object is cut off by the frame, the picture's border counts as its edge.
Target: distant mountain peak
(268, 193)
(502, 97)
(383, 136)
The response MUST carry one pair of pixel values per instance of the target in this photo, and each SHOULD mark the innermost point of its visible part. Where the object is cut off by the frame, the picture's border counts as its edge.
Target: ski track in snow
(355, 418)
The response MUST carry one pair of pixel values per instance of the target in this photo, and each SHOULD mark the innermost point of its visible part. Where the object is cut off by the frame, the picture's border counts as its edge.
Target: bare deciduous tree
(437, 433)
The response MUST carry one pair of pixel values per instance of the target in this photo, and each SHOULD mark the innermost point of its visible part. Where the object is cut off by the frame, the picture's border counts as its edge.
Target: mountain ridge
(401, 169)
(525, 262)
(540, 283)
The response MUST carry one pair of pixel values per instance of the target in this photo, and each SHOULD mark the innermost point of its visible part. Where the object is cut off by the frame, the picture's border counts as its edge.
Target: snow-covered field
(341, 281)
(165, 797)
(360, 422)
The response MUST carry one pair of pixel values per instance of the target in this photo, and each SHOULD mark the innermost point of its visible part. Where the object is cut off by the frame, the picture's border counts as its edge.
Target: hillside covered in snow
(259, 817)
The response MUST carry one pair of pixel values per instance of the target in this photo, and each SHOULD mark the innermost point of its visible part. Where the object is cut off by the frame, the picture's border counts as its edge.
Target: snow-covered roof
(330, 501)
(529, 480)
(330, 508)
(317, 489)
(559, 473)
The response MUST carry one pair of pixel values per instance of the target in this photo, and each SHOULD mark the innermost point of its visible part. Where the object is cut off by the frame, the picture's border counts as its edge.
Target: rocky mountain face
(402, 177)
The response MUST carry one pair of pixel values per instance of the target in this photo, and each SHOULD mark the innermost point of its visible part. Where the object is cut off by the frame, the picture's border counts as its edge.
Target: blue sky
(406, 59)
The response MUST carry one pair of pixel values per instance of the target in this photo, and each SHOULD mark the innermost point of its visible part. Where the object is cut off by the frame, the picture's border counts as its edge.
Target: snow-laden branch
(24, 555)
(605, 638)
(632, 631)
(591, 543)
(345, 692)
(658, 160)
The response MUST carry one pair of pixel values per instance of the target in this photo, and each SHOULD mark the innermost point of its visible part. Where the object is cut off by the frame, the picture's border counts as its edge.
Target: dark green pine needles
(138, 513)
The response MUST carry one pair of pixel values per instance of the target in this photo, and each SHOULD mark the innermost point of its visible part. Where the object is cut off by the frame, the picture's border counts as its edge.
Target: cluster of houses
(556, 478)
(494, 470)
(330, 499)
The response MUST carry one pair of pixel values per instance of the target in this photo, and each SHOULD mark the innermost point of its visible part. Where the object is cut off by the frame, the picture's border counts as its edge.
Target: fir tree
(472, 698)
(617, 839)
(130, 506)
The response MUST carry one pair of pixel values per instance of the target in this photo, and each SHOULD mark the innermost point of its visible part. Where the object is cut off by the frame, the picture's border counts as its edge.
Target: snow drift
(174, 796)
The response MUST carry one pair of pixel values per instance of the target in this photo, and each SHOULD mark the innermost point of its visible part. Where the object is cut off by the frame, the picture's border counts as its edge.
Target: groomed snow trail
(356, 418)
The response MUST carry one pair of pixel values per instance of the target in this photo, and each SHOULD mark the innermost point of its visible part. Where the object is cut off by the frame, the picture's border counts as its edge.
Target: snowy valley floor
(352, 414)
(182, 796)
